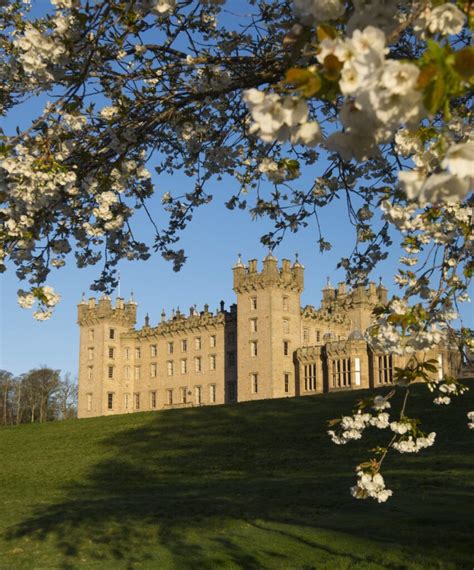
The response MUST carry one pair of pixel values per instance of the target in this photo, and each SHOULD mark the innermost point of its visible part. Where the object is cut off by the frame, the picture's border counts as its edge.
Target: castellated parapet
(264, 346)
(92, 312)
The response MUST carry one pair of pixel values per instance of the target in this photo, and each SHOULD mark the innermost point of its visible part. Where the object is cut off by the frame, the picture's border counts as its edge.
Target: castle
(265, 346)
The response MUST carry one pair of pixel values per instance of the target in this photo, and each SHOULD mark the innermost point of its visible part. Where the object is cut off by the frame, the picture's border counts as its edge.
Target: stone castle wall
(266, 346)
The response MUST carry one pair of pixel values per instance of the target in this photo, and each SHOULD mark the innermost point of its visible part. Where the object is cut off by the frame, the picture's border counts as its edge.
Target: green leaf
(435, 95)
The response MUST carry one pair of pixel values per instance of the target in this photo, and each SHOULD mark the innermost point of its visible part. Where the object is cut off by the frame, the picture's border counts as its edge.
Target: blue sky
(212, 242)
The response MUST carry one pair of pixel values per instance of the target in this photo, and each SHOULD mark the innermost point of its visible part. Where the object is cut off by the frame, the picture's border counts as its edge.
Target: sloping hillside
(252, 486)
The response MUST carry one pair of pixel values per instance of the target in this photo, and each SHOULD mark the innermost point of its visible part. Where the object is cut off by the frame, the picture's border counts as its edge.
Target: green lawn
(256, 485)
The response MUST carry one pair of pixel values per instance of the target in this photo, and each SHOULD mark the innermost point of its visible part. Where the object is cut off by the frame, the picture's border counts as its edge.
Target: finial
(163, 315)
(83, 299)
(147, 320)
(297, 261)
(239, 261)
(328, 283)
(270, 256)
(132, 300)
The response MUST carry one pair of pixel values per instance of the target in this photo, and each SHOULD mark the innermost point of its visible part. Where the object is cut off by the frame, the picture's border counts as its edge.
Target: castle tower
(268, 327)
(100, 353)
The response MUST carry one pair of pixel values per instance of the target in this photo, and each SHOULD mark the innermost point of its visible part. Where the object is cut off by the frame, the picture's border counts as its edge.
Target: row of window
(198, 359)
(183, 396)
(170, 345)
(170, 367)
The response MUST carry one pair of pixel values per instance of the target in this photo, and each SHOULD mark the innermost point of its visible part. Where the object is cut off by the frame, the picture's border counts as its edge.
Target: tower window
(111, 372)
(110, 401)
(253, 303)
(112, 334)
(286, 380)
(91, 334)
(286, 348)
(170, 348)
(212, 362)
(90, 372)
(126, 398)
(212, 393)
(169, 397)
(184, 366)
(137, 401)
(90, 353)
(153, 400)
(153, 370)
(170, 367)
(253, 325)
(197, 343)
(111, 352)
(126, 371)
(127, 353)
(138, 352)
(137, 372)
(286, 303)
(197, 394)
(305, 335)
(198, 364)
(183, 392)
(184, 345)
(254, 383)
(253, 348)
(212, 341)
(153, 351)
(89, 402)
(318, 336)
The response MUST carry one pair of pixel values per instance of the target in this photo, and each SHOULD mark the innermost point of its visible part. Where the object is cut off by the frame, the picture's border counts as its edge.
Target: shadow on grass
(186, 472)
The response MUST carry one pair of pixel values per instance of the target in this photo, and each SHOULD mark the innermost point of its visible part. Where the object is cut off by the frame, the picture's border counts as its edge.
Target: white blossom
(446, 19)
(371, 485)
(442, 400)
(414, 445)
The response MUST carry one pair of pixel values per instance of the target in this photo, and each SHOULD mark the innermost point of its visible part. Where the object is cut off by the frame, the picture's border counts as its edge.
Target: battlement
(342, 299)
(288, 276)
(310, 313)
(91, 312)
(180, 323)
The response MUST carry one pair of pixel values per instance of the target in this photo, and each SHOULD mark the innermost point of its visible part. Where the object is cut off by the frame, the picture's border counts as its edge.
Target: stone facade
(264, 346)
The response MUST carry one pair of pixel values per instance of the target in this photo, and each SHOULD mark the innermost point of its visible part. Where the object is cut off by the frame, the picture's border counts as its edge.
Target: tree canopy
(372, 98)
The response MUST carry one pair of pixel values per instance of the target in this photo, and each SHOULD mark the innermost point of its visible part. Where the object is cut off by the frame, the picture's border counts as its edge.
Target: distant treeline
(40, 395)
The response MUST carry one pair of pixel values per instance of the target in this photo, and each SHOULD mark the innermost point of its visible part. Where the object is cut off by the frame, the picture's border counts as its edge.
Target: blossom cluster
(447, 388)
(409, 444)
(370, 485)
(381, 94)
(351, 427)
(281, 118)
(46, 298)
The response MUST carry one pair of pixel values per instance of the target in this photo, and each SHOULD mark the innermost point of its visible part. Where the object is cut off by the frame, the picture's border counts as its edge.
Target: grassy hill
(256, 485)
